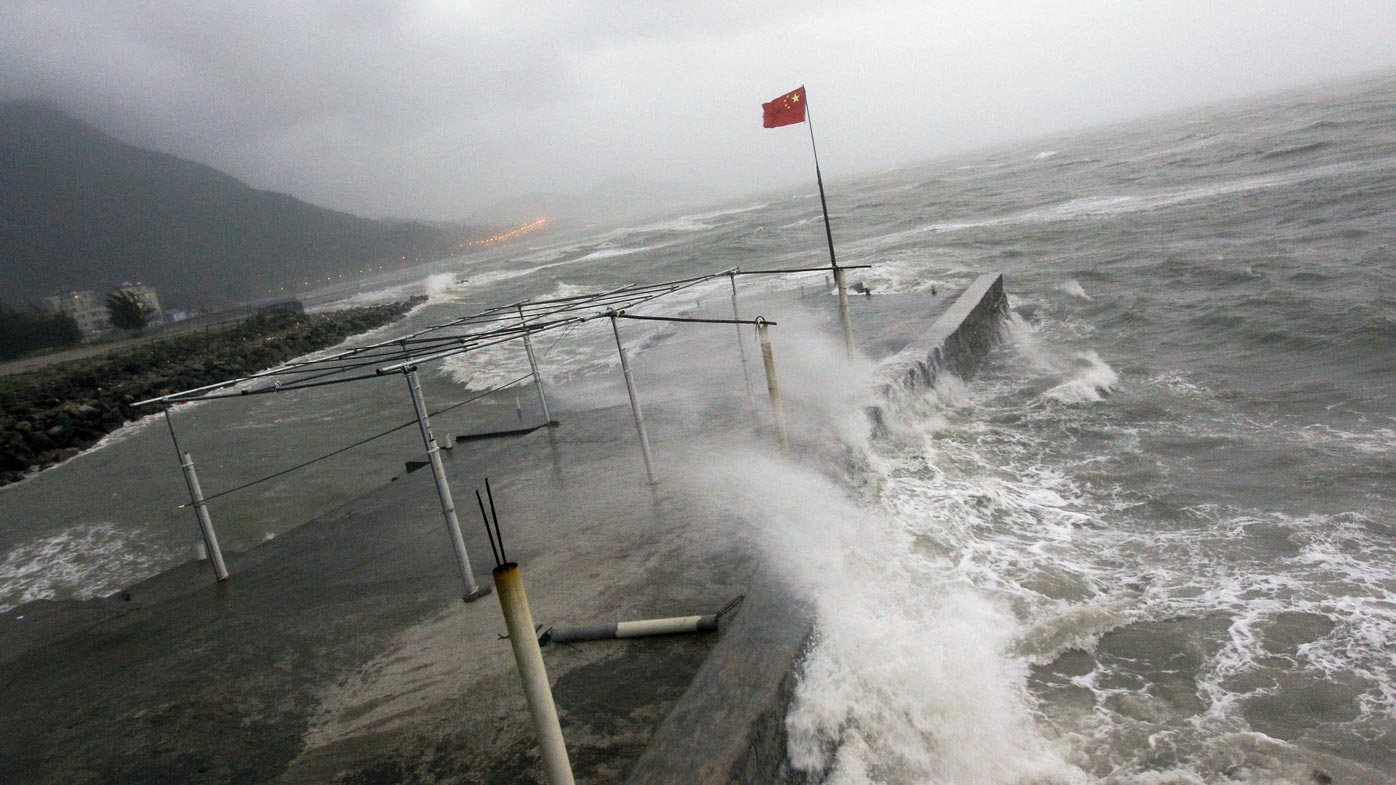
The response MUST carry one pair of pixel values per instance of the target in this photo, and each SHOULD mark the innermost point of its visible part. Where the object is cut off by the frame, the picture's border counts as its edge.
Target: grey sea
(1152, 541)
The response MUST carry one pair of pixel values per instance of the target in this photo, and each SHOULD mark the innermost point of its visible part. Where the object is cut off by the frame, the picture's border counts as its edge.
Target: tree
(22, 332)
(128, 312)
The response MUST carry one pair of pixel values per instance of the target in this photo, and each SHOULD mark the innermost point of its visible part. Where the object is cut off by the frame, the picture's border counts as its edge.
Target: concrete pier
(342, 652)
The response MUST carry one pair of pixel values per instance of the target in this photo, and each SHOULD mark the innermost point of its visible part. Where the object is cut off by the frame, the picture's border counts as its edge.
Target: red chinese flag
(785, 110)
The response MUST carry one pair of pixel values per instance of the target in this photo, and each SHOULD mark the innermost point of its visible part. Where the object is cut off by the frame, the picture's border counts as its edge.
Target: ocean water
(1152, 541)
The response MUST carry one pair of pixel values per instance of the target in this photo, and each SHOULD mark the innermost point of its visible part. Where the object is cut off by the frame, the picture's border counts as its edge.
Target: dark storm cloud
(434, 108)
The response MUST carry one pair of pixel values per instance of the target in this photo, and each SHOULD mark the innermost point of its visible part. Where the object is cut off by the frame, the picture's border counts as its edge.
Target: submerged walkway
(341, 651)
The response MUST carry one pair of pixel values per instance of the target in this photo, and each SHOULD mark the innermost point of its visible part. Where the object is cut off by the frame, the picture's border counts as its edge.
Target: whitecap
(607, 253)
(1073, 288)
(1090, 383)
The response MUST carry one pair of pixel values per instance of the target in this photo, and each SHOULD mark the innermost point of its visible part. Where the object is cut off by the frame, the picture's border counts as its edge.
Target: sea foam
(81, 562)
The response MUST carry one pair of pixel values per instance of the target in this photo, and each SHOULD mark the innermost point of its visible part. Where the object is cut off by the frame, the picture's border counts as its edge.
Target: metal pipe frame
(196, 498)
(634, 404)
(443, 490)
(842, 284)
(772, 385)
(533, 365)
(533, 674)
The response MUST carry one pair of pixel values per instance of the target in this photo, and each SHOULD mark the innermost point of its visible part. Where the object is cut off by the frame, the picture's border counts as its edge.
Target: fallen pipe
(677, 625)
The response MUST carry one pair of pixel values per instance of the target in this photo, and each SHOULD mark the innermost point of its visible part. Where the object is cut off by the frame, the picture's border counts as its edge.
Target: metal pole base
(480, 591)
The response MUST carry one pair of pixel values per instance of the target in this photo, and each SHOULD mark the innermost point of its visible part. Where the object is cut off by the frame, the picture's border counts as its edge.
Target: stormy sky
(432, 109)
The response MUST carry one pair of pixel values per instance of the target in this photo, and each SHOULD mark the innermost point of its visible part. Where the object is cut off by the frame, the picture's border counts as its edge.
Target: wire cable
(359, 443)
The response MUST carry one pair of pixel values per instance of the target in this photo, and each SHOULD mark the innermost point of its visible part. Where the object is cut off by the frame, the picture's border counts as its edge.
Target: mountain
(615, 199)
(81, 210)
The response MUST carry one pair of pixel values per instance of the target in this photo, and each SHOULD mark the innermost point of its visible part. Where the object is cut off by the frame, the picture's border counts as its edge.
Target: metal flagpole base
(480, 591)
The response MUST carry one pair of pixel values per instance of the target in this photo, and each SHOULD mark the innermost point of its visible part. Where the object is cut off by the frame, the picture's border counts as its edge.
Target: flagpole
(839, 281)
(823, 203)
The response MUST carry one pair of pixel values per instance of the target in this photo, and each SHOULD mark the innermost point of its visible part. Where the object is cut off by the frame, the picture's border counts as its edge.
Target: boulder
(39, 441)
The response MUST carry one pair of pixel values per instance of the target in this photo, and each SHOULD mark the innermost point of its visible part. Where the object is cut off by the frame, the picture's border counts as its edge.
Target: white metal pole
(196, 496)
(843, 311)
(634, 404)
(443, 491)
(768, 355)
(741, 350)
(533, 364)
(677, 625)
(523, 638)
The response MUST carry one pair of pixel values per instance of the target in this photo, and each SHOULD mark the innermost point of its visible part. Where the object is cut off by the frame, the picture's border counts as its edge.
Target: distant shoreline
(51, 414)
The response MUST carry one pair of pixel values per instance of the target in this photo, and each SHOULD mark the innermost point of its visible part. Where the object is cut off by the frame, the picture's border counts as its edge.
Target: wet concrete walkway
(341, 651)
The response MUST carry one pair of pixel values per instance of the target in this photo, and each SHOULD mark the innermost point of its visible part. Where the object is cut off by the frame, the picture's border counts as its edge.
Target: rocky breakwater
(52, 414)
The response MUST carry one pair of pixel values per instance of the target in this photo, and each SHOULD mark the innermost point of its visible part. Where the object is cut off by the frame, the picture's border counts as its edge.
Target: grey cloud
(433, 108)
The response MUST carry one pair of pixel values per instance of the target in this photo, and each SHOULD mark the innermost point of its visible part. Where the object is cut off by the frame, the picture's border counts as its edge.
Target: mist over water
(1152, 541)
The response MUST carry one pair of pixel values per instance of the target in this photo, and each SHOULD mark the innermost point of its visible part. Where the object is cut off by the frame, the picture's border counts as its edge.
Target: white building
(86, 309)
(90, 311)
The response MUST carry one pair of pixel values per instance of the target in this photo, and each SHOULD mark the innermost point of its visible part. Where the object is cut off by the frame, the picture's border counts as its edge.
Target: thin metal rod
(179, 397)
(533, 364)
(800, 270)
(624, 315)
(768, 355)
(741, 351)
(639, 296)
(359, 443)
(443, 491)
(462, 348)
(568, 312)
(498, 535)
(196, 497)
(494, 550)
(634, 403)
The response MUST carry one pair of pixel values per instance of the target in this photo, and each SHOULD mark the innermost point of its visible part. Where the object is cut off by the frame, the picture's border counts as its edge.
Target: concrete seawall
(956, 343)
(729, 725)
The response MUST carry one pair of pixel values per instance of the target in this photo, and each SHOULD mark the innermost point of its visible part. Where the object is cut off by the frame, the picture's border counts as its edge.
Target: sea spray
(438, 285)
(1027, 346)
(824, 393)
(911, 675)
(908, 678)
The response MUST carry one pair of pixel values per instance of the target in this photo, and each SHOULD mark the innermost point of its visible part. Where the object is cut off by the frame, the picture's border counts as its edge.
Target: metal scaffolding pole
(768, 355)
(634, 403)
(196, 497)
(523, 639)
(443, 490)
(843, 311)
(533, 364)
